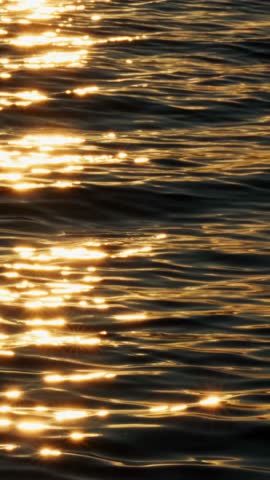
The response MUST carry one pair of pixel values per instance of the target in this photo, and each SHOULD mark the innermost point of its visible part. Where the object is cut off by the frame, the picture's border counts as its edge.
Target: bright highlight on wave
(77, 377)
(31, 426)
(212, 401)
(50, 452)
(13, 394)
(45, 338)
(70, 415)
(41, 10)
(57, 160)
(21, 99)
(51, 38)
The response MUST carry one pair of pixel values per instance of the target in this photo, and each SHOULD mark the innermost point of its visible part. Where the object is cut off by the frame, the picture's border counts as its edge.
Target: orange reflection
(50, 452)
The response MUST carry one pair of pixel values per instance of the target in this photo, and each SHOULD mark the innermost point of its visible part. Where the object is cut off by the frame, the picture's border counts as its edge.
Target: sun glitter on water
(61, 161)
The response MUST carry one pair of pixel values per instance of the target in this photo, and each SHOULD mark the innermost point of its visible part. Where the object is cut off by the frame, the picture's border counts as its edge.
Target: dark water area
(134, 222)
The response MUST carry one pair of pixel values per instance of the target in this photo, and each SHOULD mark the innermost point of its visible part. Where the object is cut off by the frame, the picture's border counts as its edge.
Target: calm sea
(134, 230)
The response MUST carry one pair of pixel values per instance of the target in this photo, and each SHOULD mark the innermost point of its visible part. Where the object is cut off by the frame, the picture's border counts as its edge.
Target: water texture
(134, 221)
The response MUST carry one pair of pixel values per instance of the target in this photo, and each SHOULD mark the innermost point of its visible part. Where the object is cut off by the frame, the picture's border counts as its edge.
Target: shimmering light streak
(31, 426)
(131, 317)
(179, 408)
(43, 285)
(129, 252)
(50, 38)
(5, 409)
(211, 401)
(42, 337)
(21, 99)
(70, 415)
(50, 452)
(48, 141)
(13, 394)
(40, 10)
(102, 413)
(77, 377)
(7, 353)
(8, 447)
(57, 322)
(55, 59)
(38, 161)
(81, 253)
(5, 423)
(82, 91)
(77, 436)
(159, 409)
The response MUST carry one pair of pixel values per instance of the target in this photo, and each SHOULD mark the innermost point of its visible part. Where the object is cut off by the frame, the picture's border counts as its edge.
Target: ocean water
(134, 223)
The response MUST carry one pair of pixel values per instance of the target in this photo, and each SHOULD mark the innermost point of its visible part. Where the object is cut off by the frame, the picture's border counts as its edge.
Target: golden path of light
(56, 50)
(48, 160)
(39, 419)
(21, 99)
(54, 278)
(49, 280)
(30, 10)
(44, 281)
(60, 47)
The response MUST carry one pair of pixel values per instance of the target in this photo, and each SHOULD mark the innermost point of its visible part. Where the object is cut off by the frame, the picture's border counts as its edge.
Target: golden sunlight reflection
(131, 317)
(211, 401)
(58, 160)
(55, 310)
(77, 377)
(31, 426)
(21, 99)
(13, 394)
(50, 452)
(5, 423)
(40, 9)
(8, 447)
(54, 47)
(70, 415)
(52, 284)
(77, 436)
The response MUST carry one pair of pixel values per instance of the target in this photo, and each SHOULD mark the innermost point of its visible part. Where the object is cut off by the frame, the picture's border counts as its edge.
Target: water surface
(134, 183)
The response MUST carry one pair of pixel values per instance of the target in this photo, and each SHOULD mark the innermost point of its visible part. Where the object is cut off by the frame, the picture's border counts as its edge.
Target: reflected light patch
(77, 436)
(31, 426)
(5, 409)
(50, 452)
(211, 401)
(159, 409)
(131, 317)
(42, 337)
(55, 59)
(7, 353)
(46, 38)
(83, 91)
(103, 413)
(38, 161)
(21, 99)
(40, 10)
(13, 394)
(77, 377)
(58, 322)
(70, 415)
(179, 408)
(9, 447)
(5, 423)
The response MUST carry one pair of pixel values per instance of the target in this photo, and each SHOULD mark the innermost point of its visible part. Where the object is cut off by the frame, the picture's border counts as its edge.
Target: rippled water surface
(134, 221)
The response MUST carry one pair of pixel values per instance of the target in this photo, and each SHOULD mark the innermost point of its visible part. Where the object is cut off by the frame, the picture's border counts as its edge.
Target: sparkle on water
(38, 161)
(36, 280)
(47, 282)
